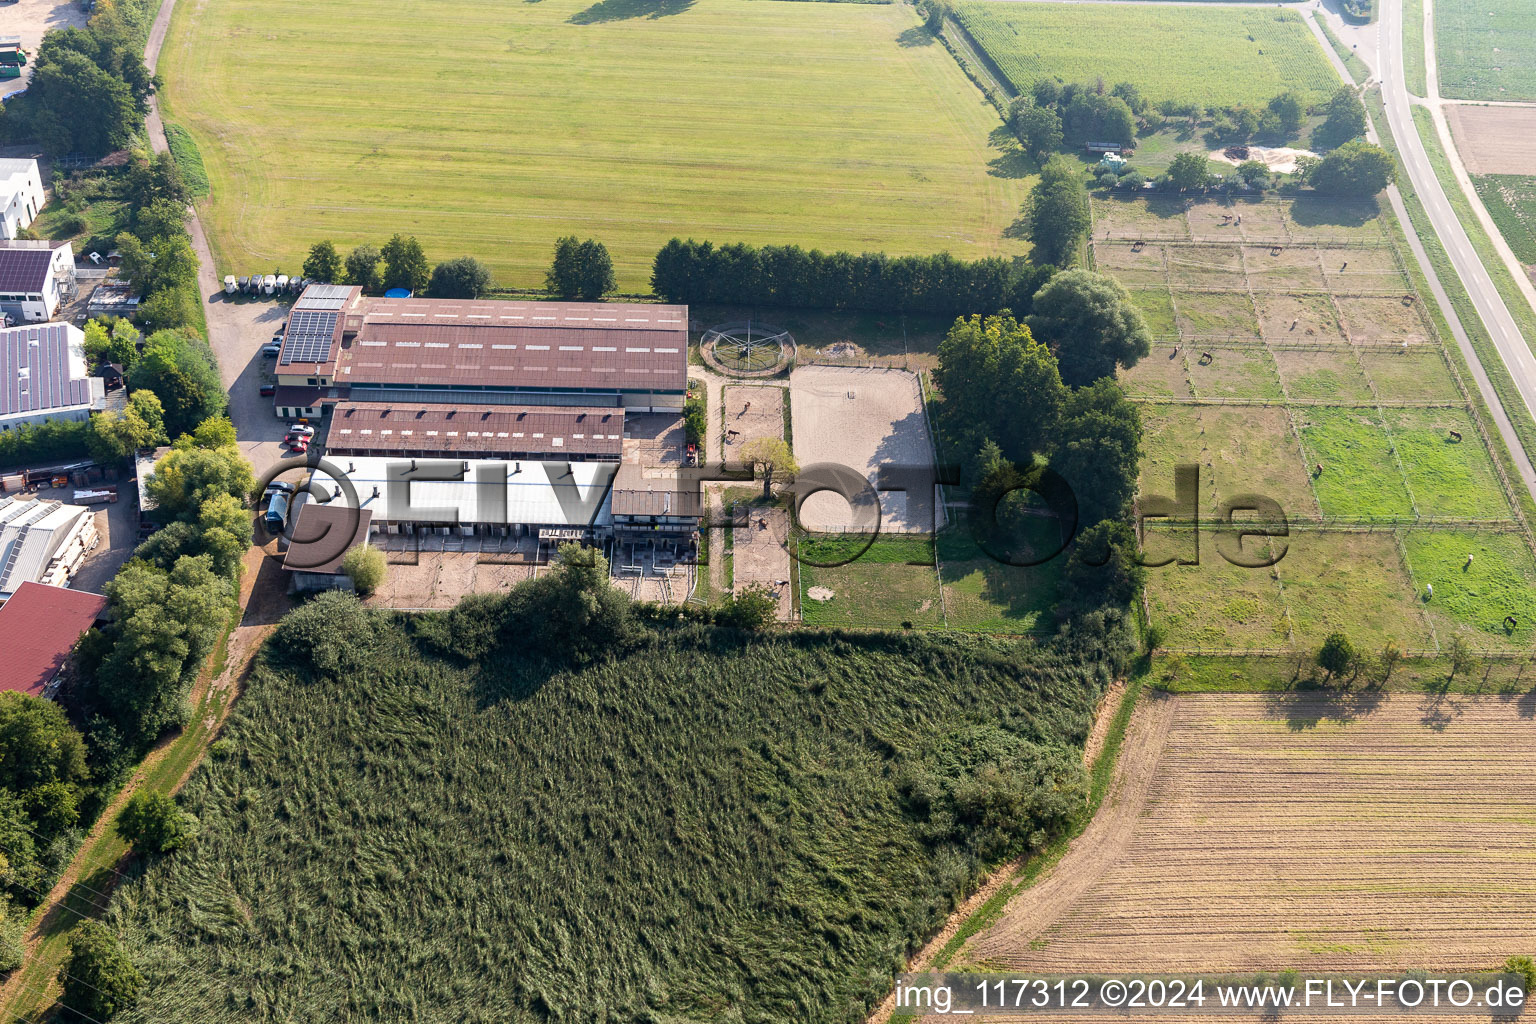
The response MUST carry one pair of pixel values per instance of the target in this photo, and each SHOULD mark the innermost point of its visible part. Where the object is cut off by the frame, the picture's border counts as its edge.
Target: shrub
(98, 978)
(152, 823)
(365, 567)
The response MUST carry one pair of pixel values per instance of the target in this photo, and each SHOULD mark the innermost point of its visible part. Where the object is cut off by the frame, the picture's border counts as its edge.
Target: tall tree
(363, 269)
(1037, 128)
(1059, 215)
(323, 263)
(596, 277)
(180, 370)
(1345, 119)
(564, 276)
(998, 382)
(405, 265)
(1098, 451)
(461, 278)
(1354, 169)
(773, 458)
(1189, 172)
(97, 977)
(1088, 319)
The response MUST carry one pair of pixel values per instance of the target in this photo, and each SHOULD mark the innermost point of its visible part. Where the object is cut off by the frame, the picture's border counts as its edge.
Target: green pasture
(1360, 477)
(1448, 477)
(493, 129)
(1486, 49)
(984, 594)
(1472, 598)
(1208, 55)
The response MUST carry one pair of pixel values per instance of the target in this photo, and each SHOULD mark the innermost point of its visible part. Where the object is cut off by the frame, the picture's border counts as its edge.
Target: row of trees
(401, 263)
(787, 275)
(157, 255)
(169, 602)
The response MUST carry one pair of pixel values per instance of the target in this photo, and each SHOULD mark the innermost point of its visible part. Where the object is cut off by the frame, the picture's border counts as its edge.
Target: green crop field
(1207, 55)
(709, 827)
(492, 129)
(1511, 202)
(1486, 49)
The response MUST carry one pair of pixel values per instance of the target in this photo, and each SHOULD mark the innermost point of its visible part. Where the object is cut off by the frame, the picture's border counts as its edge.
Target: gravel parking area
(31, 19)
(237, 328)
(862, 418)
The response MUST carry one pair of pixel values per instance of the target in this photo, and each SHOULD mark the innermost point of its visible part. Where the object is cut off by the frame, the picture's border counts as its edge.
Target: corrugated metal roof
(32, 532)
(639, 492)
(42, 368)
(38, 627)
(535, 493)
(506, 431)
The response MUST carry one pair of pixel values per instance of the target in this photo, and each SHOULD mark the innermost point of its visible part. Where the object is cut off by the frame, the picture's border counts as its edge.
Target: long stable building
(342, 346)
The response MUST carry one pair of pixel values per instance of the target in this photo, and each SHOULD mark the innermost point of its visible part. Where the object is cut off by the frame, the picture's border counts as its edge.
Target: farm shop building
(341, 346)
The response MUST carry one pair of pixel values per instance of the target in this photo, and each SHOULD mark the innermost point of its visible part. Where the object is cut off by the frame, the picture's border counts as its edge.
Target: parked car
(297, 445)
(301, 428)
(277, 513)
(271, 350)
(276, 486)
(268, 390)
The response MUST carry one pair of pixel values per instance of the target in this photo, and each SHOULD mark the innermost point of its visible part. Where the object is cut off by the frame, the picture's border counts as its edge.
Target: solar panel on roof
(309, 336)
(323, 297)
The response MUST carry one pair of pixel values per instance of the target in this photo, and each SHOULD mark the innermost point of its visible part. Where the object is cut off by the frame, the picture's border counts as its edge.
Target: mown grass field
(493, 129)
(1511, 202)
(707, 828)
(1486, 49)
(1208, 55)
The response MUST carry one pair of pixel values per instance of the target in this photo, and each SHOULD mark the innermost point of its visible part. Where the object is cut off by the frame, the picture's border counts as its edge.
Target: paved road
(1469, 268)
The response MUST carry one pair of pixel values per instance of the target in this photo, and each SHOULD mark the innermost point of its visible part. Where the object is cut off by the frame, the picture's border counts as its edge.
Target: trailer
(107, 496)
(269, 284)
(243, 285)
(10, 71)
(282, 284)
(230, 287)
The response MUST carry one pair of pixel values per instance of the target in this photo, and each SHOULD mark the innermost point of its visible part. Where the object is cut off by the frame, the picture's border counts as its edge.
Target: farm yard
(1263, 51)
(1486, 49)
(725, 120)
(1292, 359)
(1293, 832)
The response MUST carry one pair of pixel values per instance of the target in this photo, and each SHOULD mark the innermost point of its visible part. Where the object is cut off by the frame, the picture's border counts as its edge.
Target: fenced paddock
(1294, 359)
(863, 418)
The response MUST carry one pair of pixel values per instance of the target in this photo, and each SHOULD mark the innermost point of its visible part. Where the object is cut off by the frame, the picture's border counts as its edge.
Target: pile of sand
(1281, 160)
(819, 593)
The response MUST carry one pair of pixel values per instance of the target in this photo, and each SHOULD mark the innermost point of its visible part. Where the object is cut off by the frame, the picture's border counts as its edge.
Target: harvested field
(1299, 319)
(1304, 832)
(864, 419)
(1326, 376)
(1215, 314)
(1236, 373)
(1494, 140)
(752, 412)
(1361, 270)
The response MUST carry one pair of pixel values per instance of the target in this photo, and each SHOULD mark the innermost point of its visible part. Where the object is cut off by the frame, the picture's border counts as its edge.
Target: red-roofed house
(38, 627)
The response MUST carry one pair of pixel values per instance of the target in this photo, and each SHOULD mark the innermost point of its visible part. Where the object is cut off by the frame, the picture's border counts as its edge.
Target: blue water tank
(398, 293)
